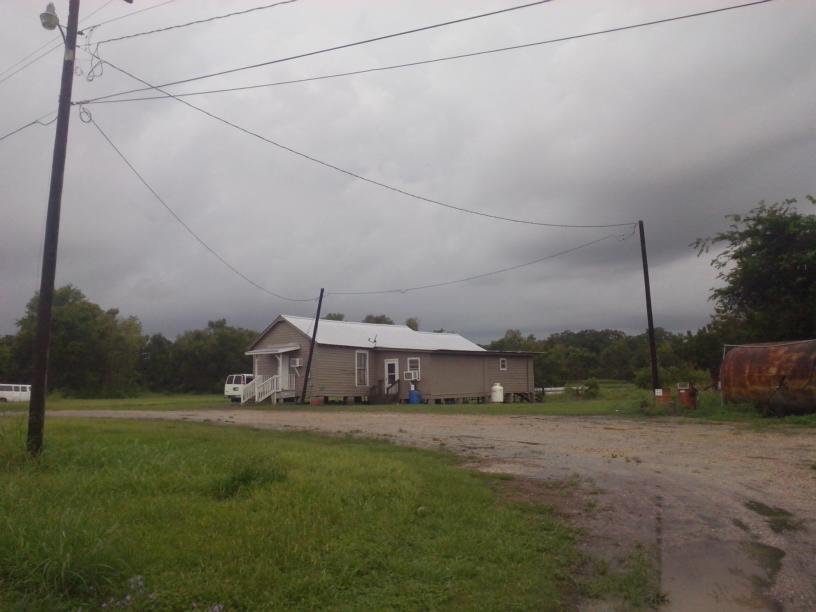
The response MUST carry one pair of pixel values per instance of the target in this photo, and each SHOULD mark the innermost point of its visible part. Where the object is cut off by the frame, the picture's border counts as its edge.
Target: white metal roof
(375, 335)
(274, 351)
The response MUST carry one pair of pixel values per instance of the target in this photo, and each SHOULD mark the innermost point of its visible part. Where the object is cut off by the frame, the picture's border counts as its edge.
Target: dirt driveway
(730, 512)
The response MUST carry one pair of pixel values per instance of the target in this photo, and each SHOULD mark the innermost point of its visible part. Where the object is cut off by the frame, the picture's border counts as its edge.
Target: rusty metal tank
(781, 376)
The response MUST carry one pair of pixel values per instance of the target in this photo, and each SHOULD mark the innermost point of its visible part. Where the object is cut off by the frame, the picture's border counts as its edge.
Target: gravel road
(730, 512)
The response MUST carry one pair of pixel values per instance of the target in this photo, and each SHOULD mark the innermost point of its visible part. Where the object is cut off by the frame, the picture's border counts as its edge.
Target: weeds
(176, 516)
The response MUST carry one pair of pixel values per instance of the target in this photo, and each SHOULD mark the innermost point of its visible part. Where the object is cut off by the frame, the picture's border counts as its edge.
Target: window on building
(503, 364)
(413, 366)
(361, 358)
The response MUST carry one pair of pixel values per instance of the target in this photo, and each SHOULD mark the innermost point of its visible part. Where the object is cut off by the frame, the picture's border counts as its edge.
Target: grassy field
(615, 400)
(176, 516)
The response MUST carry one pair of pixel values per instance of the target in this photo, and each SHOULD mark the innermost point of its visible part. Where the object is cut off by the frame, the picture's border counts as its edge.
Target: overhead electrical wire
(107, 99)
(38, 121)
(358, 176)
(53, 40)
(59, 44)
(127, 15)
(199, 21)
(86, 118)
(481, 275)
(334, 48)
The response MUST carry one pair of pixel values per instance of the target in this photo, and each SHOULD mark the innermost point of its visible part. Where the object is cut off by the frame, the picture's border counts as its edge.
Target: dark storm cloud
(677, 125)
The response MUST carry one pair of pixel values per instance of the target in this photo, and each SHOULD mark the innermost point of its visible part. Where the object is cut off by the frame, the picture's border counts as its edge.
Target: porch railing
(267, 387)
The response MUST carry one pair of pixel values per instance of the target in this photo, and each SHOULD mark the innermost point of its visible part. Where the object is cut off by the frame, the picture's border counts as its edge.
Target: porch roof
(274, 350)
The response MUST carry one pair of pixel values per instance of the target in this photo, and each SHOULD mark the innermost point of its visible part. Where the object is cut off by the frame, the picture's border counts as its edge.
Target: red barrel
(687, 397)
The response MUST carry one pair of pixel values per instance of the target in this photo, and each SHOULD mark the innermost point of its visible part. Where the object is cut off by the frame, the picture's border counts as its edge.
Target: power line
(86, 118)
(60, 43)
(482, 275)
(127, 15)
(53, 40)
(199, 21)
(38, 121)
(355, 174)
(34, 61)
(335, 48)
(108, 98)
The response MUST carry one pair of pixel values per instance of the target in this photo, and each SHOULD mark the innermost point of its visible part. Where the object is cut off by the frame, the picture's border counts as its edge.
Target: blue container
(414, 397)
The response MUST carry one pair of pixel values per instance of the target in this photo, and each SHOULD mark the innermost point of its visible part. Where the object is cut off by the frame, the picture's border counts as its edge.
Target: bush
(671, 376)
(592, 389)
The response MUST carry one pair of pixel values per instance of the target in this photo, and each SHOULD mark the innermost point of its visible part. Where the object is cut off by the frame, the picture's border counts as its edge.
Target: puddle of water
(778, 519)
(722, 576)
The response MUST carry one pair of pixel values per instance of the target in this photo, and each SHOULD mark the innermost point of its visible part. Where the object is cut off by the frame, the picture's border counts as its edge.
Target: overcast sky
(676, 124)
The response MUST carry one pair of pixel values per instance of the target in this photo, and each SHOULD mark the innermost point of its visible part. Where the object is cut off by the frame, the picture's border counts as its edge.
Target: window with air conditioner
(413, 366)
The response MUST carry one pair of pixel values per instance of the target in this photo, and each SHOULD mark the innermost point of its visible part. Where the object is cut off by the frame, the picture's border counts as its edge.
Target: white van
(235, 384)
(15, 393)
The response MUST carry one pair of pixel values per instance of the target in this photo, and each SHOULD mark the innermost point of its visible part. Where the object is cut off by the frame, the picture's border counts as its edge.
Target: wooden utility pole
(42, 339)
(311, 348)
(649, 318)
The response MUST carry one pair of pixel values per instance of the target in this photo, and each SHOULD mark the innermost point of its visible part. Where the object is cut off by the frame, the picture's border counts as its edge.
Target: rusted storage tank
(773, 375)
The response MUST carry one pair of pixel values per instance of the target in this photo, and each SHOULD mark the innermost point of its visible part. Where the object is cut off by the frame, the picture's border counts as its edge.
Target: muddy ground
(729, 512)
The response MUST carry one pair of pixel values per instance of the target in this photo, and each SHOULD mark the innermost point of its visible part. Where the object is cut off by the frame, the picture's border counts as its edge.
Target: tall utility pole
(42, 339)
(652, 344)
(311, 348)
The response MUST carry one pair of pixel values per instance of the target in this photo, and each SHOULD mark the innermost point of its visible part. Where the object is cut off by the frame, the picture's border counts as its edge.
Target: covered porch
(277, 371)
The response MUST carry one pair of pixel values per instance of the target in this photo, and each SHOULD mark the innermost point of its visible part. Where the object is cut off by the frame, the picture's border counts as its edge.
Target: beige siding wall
(473, 375)
(380, 356)
(517, 378)
(453, 376)
(441, 375)
(334, 374)
(283, 334)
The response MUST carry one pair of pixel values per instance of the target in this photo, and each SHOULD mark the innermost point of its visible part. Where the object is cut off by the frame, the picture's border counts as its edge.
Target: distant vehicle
(15, 393)
(235, 385)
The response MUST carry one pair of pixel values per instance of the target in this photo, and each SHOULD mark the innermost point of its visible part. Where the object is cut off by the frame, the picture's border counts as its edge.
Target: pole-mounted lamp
(49, 18)
(42, 337)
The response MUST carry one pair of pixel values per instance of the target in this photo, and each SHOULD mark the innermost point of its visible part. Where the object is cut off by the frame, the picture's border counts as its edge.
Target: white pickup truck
(235, 385)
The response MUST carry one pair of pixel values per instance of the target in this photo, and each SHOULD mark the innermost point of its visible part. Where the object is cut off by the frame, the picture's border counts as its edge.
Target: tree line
(768, 293)
(98, 353)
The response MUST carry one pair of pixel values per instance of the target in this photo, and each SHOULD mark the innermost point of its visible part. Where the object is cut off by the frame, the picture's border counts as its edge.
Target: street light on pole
(42, 338)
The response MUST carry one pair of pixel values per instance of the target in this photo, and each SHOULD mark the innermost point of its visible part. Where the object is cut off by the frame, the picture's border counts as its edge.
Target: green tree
(157, 369)
(383, 319)
(93, 352)
(8, 370)
(203, 358)
(413, 323)
(335, 316)
(768, 268)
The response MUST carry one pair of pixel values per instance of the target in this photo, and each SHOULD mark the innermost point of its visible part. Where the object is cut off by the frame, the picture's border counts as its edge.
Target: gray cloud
(677, 124)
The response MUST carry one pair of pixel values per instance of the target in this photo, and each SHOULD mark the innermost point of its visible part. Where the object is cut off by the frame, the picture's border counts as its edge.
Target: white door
(391, 376)
(284, 372)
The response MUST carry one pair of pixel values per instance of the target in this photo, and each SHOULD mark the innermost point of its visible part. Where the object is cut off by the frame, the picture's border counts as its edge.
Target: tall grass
(165, 516)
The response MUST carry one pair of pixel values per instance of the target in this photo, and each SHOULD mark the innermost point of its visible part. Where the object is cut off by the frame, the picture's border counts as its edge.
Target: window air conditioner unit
(410, 375)
(295, 362)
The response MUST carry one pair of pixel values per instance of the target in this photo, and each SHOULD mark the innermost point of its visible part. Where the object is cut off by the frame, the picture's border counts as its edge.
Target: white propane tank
(497, 393)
